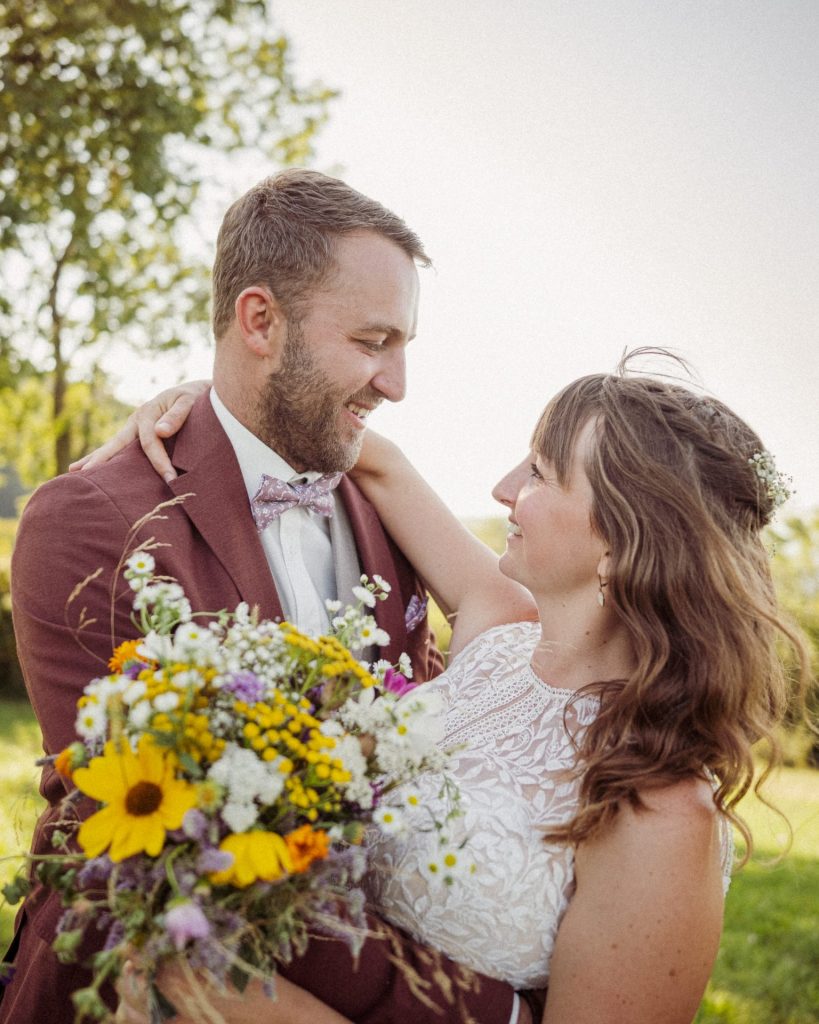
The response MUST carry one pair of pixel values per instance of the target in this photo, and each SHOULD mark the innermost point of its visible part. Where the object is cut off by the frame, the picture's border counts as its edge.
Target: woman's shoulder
(673, 824)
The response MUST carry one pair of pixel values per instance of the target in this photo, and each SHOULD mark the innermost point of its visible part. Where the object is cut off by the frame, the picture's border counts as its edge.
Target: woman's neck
(581, 647)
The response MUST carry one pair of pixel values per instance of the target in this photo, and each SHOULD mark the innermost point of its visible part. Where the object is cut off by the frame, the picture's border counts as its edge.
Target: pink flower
(186, 921)
(396, 683)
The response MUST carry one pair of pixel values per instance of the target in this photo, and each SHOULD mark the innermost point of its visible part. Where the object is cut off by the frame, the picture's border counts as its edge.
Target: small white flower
(190, 678)
(166, 701)
(134, 692)
(141, 564)
(156, 648)
(390, 820)
(379, 669)
(330, 727)
(140, 715)
(239, 816)
(91, 721)
(405, 665)
(380, 582)
(366, 597)
(332, 606)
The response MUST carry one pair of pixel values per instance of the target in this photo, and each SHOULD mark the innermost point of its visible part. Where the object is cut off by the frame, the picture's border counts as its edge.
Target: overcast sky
(586, 176)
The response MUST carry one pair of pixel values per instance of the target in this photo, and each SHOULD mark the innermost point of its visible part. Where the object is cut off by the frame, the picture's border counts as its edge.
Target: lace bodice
(513, 774)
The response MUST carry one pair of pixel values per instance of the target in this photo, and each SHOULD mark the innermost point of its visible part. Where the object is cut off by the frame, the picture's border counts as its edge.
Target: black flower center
(143, 798)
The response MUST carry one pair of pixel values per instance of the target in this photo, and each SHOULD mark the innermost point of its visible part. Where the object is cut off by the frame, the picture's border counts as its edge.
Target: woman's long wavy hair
(681, 511)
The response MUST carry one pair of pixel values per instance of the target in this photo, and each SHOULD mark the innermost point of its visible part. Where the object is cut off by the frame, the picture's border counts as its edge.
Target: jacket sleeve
(69, 531)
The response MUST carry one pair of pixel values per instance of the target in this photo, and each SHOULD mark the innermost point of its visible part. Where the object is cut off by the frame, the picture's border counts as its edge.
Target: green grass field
(767, 971)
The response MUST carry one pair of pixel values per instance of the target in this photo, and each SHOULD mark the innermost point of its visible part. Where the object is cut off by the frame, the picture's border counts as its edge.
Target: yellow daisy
(143, 800)
(256, 855)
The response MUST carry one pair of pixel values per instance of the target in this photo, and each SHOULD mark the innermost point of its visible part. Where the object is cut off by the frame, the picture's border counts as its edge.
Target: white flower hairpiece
(777, 485)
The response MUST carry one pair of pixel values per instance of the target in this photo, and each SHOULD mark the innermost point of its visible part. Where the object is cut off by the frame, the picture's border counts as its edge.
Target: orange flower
(306, 844)
(67, 760)
(125, 653)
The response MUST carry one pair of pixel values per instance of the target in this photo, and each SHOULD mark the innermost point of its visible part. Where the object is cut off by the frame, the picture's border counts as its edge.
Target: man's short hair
(281, 235)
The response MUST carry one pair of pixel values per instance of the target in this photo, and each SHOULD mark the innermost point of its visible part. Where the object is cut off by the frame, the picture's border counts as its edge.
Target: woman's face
(551, 548)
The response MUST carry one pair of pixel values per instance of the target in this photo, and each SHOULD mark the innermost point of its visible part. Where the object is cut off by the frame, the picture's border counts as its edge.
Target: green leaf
(16, 890)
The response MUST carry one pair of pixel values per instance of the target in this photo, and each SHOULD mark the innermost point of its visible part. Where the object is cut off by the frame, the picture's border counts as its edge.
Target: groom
(315, 296)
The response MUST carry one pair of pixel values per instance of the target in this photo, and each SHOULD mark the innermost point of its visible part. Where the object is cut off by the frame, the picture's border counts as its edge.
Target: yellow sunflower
(143, 800)
(256, 855)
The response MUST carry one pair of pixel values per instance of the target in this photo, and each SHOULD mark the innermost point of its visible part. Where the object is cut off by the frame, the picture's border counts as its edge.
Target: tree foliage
(795, 567)
(110, 112)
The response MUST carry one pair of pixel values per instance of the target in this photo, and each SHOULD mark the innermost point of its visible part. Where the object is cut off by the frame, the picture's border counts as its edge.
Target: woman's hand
(196, 1001)
(134, 995)
(157, 418)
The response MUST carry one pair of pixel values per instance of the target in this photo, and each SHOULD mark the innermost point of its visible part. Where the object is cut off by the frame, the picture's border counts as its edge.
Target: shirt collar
(253, 455)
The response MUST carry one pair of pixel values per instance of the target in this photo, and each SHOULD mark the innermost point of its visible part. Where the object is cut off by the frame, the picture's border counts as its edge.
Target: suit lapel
(375, 557)
(218, 506)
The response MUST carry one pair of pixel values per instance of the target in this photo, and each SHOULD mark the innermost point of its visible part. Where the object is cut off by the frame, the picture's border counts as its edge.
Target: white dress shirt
(297, 544)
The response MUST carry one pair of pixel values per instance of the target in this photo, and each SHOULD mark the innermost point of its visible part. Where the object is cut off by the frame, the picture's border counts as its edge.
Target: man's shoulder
(125, 487)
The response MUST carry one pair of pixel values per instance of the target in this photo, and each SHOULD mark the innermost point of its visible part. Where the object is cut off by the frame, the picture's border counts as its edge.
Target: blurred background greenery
(111, 115)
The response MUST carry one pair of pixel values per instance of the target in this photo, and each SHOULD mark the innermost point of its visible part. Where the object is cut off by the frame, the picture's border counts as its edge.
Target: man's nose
(391, 378)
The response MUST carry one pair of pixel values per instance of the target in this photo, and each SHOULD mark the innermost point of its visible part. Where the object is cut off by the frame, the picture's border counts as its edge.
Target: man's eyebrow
(379, 327)
(382, 327)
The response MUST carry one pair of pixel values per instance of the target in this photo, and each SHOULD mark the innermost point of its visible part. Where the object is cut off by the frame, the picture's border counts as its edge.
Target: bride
(603, 747)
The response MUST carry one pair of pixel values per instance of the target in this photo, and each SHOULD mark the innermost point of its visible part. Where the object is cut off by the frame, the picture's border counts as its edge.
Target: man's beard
(298, 409)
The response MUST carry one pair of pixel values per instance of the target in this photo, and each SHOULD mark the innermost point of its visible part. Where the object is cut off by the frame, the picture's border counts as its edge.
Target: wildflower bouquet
(236, 764)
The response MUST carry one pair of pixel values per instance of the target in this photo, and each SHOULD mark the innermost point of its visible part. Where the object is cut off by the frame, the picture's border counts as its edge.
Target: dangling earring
(601, 597)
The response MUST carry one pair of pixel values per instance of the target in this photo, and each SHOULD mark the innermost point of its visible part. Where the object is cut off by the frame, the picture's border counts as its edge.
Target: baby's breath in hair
(777, 485)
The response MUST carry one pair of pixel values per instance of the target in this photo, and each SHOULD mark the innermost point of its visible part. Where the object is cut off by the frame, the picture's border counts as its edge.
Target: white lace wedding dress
(514, 778)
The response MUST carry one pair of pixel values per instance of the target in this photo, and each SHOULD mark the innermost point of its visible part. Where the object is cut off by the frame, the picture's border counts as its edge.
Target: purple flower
(116, 934)
(396, 683)
(212, 860)
(195, 824)
(246, 686)
(186, 921)
(95, 871)
(414, 615)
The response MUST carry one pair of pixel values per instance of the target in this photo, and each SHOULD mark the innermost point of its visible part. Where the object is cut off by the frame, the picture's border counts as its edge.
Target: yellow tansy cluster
(286, 729)
(340, 661)
(187, 722)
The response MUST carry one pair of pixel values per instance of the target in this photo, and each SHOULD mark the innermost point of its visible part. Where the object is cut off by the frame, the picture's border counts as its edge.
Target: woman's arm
(460, 571)
(641, 933)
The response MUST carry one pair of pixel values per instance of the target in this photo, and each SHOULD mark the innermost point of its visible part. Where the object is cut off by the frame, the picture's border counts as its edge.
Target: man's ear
(261, 322)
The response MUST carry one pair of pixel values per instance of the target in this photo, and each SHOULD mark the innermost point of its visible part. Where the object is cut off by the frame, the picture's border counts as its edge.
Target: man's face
(343, 357)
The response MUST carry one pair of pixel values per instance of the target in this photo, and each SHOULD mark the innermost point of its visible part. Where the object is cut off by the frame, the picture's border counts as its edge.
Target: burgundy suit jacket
(78, 523)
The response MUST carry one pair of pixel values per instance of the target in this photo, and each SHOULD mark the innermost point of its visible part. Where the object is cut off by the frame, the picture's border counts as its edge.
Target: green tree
(28, 429)
(110, 114)
(795, 567)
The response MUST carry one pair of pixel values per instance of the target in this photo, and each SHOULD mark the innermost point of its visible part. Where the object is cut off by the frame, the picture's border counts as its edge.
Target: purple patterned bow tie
(276, 496)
